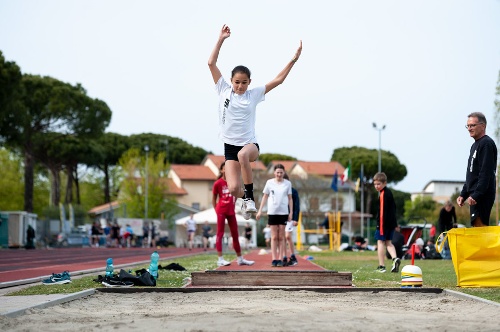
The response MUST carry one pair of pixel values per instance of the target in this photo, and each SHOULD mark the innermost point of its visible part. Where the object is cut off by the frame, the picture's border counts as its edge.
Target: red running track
(19, 264)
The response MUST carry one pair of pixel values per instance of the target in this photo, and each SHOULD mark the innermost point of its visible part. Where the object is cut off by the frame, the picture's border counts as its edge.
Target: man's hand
(460, 201)
(471, 201)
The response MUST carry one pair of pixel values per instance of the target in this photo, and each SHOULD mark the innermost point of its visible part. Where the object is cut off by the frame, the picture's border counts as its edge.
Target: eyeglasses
(469, 126)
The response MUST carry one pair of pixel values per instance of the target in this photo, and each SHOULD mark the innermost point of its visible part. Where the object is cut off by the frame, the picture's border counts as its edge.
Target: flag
(346, 174)
(335, 181)
(358, 181)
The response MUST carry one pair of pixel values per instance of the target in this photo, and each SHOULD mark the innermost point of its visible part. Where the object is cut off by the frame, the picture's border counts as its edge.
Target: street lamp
(146, 148)
(379, 145)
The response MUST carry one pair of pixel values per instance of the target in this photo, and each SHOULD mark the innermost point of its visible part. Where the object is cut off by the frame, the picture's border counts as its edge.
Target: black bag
(144, 279)
(172, 266)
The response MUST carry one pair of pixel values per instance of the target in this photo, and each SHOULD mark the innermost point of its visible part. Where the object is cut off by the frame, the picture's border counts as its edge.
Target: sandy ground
(267, 310)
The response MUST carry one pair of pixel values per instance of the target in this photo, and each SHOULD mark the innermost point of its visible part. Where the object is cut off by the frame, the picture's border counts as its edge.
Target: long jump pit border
(261, 276)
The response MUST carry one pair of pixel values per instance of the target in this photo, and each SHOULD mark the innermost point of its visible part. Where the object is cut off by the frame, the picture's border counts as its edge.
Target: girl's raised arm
(212, 61)
(284, 73)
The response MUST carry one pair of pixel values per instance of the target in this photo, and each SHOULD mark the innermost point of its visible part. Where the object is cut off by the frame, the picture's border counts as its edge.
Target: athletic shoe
(243, 261)
(112, 282)
(279, 264)
(245, 214)
(293, 261)
(223, 262)
(380, 269)
(249, 206)
(395, 265)
(58, 279)
(285, 261)
(274, 263)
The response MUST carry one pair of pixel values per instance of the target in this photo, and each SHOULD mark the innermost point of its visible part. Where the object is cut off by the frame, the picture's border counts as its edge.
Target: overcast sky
(418, 67)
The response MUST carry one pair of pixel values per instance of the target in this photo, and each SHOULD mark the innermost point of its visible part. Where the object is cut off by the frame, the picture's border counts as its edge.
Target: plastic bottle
(153, 267)
(109, 267)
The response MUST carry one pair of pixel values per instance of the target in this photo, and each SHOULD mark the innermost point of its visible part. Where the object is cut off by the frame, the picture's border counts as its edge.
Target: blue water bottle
(153, 267)
(109, 267)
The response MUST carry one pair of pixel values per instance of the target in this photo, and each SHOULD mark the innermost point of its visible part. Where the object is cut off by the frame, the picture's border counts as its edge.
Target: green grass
(435, 273)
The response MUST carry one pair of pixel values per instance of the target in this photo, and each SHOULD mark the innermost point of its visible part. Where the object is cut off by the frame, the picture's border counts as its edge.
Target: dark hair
(480, 116)
(240, 69)
(220, 169)
(286, 176)
(279, 166)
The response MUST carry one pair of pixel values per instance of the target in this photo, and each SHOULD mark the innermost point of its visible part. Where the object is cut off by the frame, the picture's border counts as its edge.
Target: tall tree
(111, 146)
(132, 189)
(10, 91)
(358, 156)
(177, 151)
(50, 106)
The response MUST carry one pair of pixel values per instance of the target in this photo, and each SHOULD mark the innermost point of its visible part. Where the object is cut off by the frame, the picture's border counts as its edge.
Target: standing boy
(386, 223)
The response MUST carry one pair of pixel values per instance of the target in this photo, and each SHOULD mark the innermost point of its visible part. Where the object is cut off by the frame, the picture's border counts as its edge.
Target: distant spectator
(207, 233)
(30, 237)
(96, 231)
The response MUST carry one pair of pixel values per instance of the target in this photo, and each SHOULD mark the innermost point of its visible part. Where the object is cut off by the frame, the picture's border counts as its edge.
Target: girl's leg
(221, 219)
(274, 241)
(381, 252)
(233, 178)
(247, 154)
(288, 238)
(233, 227)
(282, 246)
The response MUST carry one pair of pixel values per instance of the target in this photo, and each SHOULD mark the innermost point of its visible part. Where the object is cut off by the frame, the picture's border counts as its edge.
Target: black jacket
(389, 211)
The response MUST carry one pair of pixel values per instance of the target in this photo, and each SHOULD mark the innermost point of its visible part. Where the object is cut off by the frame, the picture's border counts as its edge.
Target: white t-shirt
(237, 113)
(277, 202)
(191, 225)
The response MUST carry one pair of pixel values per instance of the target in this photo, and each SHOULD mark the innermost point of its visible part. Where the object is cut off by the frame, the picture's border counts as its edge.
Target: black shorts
(231, 151)
(277, 219)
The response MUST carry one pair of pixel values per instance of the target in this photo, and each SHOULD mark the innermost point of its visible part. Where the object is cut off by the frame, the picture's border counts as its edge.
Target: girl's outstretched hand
(297, 54)
(225, 32)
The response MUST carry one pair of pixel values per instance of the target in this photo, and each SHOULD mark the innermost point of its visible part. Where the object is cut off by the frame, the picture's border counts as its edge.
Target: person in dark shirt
(480, 180)
(447, 217)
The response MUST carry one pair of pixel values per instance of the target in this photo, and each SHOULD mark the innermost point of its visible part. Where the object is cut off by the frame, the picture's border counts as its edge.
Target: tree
(358, 156)
(132, 189)
(11, 182)
(10, 89)
(50, 106)
(177, 151)
(111, 148)
(266, 158)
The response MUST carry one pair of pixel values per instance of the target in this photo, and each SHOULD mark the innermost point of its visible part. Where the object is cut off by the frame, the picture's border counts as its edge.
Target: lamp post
(379, 145)
(146, 148)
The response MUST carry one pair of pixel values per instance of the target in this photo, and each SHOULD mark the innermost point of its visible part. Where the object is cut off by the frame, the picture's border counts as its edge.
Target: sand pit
(263, 310)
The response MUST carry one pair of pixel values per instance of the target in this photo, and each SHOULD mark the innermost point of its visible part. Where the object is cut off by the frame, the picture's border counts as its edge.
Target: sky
(417, 67)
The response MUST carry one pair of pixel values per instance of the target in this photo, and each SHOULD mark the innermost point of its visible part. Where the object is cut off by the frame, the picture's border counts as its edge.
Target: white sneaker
(249, 205)
(243, 261)
(246, 215)
(223, 262)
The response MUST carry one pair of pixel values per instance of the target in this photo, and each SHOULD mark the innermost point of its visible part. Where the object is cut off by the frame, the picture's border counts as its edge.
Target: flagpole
(350, 205)
(362, 200)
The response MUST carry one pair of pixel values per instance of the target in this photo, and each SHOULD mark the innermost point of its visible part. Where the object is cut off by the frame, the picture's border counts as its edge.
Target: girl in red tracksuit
(223, 203)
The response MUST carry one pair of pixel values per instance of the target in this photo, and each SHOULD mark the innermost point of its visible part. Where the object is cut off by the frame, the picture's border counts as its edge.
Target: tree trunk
(69, 185)
(28, 180)
(56, 192)
(77, 185)
(107, 196)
